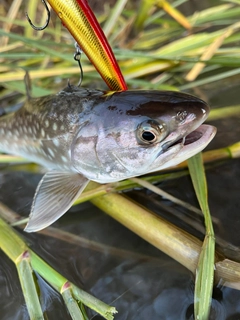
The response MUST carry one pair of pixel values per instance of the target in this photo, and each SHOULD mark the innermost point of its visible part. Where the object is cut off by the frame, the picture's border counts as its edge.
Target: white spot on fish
(42, 132)
(64, 159)
(62, 127)
(47, 123)
(51, 152)
(65, 167)
(56, 142)
(54, 126)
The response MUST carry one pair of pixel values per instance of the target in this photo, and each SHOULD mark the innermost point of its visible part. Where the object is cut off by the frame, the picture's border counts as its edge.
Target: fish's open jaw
(193, 136)
(200, 137)
(205, 133)
(193, 143)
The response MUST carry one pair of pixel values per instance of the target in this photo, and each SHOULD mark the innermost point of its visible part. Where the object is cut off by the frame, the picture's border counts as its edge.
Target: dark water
(149, 285)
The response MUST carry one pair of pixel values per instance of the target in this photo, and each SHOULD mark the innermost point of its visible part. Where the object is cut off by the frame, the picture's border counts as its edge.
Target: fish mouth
(201, 135)
(190, 145)
(191, 137)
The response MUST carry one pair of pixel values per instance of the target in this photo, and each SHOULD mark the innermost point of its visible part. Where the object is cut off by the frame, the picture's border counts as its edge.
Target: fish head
(132, 133)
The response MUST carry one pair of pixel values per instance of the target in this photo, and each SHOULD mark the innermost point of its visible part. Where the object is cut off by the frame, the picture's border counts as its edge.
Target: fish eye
(148, 136)
(151, 131)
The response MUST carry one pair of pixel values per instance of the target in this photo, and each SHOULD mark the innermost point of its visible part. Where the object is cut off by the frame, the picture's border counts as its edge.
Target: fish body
(81, 135)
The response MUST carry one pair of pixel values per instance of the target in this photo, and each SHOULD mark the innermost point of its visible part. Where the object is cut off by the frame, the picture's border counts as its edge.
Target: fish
(82, 134)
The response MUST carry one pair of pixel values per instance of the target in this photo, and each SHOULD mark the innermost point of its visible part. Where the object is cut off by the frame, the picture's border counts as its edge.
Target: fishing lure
(78, 18)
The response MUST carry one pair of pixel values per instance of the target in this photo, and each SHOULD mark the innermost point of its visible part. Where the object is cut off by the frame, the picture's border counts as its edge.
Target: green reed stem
(205, 268)
(26, 261)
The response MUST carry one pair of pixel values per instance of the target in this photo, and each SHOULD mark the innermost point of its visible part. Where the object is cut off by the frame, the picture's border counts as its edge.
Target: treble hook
(77, 57)
(47, 22)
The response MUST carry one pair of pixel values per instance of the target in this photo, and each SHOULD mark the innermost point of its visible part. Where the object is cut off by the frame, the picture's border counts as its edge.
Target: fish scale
(82, 134)
(42, 130)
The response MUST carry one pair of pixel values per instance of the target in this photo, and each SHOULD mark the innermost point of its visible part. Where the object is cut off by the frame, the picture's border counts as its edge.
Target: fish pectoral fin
(55, 194)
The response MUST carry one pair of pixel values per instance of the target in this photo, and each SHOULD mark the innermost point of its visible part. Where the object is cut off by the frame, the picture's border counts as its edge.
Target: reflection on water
(12, 305)
(141, 282)
(146, 290)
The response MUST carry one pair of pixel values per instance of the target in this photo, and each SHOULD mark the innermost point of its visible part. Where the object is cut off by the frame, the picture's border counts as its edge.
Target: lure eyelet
(47, 21)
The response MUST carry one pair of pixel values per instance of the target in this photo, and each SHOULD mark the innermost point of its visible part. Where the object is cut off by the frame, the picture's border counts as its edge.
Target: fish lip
(203, 134)
(199, 137)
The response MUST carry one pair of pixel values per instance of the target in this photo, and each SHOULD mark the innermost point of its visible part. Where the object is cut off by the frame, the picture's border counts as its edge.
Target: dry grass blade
(116, 12)
(13, 10)
(210, 51)
(168, 238)
(166, 195)
(173, 12)
(172, 240)
(155, 42)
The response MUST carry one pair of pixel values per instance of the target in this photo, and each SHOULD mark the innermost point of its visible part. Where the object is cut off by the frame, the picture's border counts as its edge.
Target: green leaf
(205, 268)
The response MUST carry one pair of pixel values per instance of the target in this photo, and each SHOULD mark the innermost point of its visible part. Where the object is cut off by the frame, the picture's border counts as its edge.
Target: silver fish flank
(81, 135)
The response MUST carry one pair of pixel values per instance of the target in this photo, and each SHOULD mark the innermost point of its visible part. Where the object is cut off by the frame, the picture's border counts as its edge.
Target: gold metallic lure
(79, 19)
